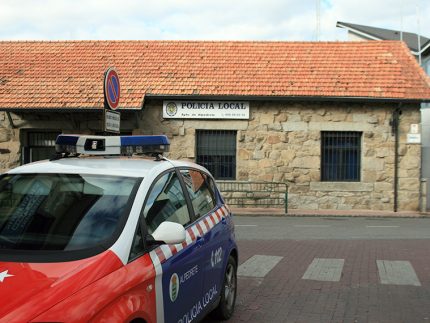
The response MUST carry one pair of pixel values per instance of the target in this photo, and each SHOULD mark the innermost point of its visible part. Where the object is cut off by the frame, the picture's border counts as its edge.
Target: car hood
(29, 289)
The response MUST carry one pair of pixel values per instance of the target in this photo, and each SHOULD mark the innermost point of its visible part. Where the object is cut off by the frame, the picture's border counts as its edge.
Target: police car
(101, 234)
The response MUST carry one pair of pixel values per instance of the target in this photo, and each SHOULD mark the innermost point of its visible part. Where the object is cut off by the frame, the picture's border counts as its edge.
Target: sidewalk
(347, 213)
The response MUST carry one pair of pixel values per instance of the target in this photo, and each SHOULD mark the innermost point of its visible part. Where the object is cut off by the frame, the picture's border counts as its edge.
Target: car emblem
(174, 287)
(4, 275)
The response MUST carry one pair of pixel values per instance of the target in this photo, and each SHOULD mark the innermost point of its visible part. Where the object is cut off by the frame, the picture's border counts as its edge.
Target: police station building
(339, 122)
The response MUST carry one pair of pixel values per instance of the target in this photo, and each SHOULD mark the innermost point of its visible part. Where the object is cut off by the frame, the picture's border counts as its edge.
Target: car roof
(117, 166)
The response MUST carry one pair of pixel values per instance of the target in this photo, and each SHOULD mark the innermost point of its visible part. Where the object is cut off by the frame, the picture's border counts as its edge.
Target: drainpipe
(10, 120)
(395, 131)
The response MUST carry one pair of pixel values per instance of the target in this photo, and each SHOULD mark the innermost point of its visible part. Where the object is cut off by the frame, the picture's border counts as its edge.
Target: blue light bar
(66, 144)
(111, 145)
(144, 144)
(144, 140)
(67, 140)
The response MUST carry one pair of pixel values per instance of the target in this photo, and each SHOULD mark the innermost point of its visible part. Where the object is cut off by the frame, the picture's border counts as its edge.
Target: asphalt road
(310, 228)
(326, 269)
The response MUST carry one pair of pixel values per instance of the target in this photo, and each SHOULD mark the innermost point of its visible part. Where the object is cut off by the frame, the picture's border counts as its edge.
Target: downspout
(395, 131)
(10, 120)
(139, 114)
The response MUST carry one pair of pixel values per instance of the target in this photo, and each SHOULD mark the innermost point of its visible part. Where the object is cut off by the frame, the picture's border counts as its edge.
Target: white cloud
(201, 19)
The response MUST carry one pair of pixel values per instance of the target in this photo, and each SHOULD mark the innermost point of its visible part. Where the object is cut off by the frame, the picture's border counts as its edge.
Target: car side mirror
(169, 232)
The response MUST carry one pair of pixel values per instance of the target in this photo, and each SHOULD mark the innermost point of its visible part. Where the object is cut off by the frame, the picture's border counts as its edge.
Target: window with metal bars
(340, 156)
(40, 145)
(216, 150)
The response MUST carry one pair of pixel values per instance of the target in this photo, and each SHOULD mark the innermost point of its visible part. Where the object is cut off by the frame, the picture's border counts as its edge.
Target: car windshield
(61, 211)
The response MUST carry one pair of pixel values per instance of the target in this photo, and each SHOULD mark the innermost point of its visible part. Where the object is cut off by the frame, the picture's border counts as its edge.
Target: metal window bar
(216, 150)
(42, 139)
(341, 156)
(40, 145)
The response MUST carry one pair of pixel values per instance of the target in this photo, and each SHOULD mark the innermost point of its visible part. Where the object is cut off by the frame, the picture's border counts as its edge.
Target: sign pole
(112, 92)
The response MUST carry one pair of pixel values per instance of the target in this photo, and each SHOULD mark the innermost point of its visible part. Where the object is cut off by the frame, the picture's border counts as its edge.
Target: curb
(336, 214)
(404, 216)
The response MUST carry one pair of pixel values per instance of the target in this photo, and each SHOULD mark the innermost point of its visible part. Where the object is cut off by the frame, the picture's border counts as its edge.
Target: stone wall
(13, 137)
(281, 142)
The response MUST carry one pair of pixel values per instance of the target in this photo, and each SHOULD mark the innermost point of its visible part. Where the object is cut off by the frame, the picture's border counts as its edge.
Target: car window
(61, 211)
(166, 202)
(199, 187)
(137, 247)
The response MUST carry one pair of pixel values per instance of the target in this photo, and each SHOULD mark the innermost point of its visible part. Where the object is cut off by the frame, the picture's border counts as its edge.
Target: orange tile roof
(69, 74)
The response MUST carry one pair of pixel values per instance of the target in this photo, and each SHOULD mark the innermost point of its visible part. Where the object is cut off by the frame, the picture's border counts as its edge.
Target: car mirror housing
(169, 233)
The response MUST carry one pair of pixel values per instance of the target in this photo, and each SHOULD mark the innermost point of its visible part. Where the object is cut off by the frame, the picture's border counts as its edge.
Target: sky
(284, 20)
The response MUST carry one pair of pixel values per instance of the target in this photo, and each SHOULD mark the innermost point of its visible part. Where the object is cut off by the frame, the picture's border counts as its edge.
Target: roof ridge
(199, 41)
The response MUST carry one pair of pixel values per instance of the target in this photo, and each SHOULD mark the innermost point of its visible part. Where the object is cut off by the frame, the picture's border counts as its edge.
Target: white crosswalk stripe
(258, 266)
(397, 273)
(324, 269)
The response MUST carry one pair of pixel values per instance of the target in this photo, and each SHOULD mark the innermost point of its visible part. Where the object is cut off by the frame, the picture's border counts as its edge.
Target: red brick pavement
(282, 296)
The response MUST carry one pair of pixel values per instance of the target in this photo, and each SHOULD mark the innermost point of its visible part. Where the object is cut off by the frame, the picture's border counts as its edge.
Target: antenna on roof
(401, 21)
(419, 37)
(318, 19)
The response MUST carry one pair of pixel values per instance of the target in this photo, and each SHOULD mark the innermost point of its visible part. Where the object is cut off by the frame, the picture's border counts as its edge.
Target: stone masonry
(281, 142)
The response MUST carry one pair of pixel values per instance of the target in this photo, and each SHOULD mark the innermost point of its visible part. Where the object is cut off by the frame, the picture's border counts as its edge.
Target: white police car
(99, 234)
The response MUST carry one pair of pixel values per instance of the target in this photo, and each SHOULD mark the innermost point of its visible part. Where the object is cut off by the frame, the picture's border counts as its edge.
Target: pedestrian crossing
(330, 270)
(258, 266)
(324, 270)
(397, 273)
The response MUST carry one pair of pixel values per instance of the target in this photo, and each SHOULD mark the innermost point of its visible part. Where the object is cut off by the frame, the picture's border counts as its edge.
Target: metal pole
(318, 18)
(401, 22)
(423, 189)
(395, 129)
(286, 200)
(419, 37)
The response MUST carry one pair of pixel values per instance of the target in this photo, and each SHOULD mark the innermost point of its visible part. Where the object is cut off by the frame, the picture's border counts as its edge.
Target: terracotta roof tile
(70, 73)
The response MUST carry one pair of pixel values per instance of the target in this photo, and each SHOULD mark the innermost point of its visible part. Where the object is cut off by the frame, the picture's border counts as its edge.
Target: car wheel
(225, 309)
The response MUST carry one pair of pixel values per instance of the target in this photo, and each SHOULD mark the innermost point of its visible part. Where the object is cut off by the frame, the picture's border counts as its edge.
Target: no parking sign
(112, 89)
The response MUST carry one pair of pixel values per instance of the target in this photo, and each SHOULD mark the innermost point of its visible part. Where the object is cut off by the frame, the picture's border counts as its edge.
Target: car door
(179, 270)
(211, 218)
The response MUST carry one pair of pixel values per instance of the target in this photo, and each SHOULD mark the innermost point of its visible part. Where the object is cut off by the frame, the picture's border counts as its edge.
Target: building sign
(112, 120)
(206, 109)
(413, 138)
(414, 128)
